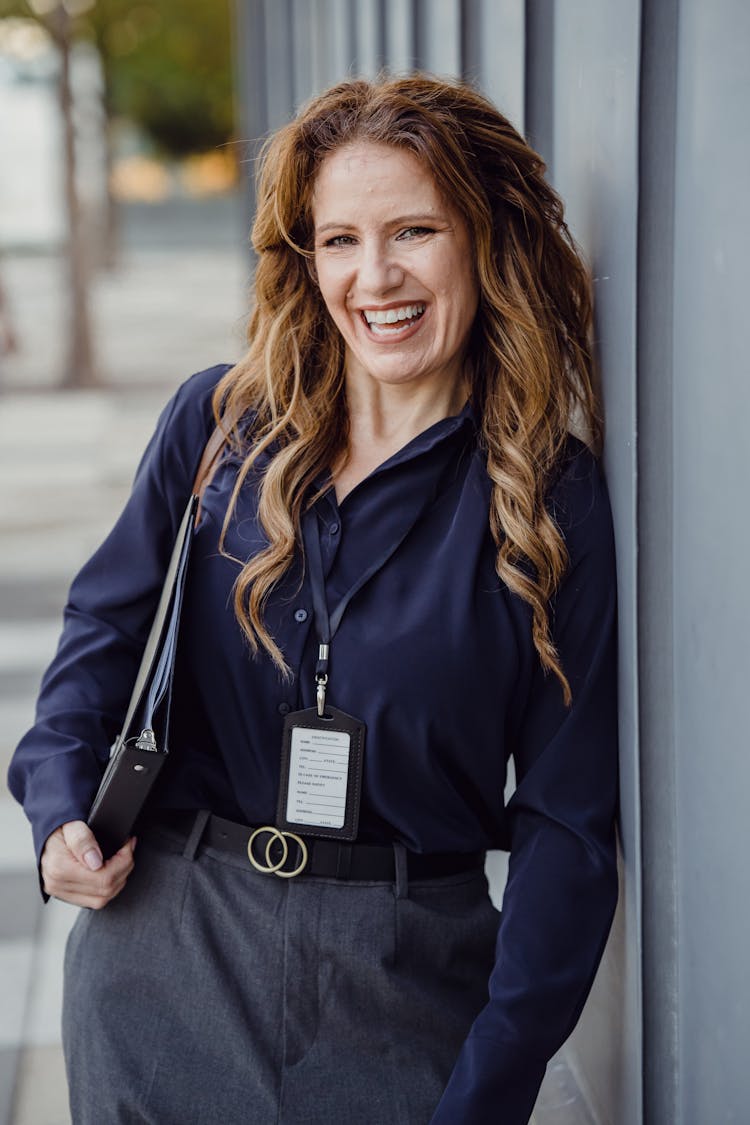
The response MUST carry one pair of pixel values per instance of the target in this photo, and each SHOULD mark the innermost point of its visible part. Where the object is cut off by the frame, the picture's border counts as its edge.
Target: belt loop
(196, 833)
(402, 870)
(343, 861)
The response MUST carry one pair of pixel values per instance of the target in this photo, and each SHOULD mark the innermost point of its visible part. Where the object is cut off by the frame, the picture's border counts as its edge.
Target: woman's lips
(393, 329)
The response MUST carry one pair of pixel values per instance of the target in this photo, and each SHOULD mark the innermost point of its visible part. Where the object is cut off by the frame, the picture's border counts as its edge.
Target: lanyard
(327, 624)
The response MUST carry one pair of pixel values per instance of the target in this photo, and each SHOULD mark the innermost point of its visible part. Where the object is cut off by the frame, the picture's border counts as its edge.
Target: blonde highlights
(530, 356)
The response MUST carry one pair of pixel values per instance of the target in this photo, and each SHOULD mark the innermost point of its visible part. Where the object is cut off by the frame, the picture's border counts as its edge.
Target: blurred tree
(166, 65)
(55, 16)
(80, 370)
(169, 68)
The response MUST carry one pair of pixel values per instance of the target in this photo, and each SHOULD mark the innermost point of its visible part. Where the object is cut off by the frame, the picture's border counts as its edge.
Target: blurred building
(32, 199)
(640, 110)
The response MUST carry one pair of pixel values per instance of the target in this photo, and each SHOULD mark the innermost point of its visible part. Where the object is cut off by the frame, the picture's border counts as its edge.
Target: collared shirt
(435, 654)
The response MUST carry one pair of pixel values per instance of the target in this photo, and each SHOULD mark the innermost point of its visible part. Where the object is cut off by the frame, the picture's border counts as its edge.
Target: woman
(401, 488)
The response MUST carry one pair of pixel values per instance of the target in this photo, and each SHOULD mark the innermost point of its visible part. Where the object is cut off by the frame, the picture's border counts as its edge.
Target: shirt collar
(433, 435)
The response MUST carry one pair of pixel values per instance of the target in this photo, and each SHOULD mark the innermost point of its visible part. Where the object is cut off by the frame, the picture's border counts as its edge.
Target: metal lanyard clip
(321, 678)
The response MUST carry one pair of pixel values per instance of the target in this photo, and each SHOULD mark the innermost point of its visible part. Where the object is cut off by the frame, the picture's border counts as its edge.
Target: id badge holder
(322, 760)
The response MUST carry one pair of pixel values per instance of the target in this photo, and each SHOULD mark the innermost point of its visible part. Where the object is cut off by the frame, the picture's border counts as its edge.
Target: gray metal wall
(588, 127)
(694, 410)
(640, 110)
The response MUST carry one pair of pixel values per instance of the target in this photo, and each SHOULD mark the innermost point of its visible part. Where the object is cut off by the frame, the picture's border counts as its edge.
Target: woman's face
(394, 264)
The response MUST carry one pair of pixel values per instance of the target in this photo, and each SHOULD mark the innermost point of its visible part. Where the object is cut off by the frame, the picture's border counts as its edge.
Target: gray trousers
(207, 992)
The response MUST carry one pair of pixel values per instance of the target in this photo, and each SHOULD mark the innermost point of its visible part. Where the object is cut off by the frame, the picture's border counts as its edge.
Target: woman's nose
(378, 269)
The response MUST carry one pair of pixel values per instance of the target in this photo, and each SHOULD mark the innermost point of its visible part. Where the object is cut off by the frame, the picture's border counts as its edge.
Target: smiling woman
(403, 574)
(395, 269)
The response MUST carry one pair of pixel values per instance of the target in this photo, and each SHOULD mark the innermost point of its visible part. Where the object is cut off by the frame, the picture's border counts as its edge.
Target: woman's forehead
(364, 172)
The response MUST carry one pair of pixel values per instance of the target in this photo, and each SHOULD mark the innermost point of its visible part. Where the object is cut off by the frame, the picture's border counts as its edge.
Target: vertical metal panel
(305, 37)
(438, 34)
(540, 78)
(352, 30)
(417, 33)
(471, 37)
(279, 52)
(594, 129)
(492, 52)
(400, 50)
(370, 36)
(319, 45)
(493, 44)
(658, 107)
(252, 111)
(711, 549)
(331, 39)
(250, 67)
(500, 33)
(327, 41)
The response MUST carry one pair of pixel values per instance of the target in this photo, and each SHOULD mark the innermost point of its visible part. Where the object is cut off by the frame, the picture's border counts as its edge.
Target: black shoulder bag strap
(139, 751)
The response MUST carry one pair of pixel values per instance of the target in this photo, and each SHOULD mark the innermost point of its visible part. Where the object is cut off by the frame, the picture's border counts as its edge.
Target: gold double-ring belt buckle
(271, 868)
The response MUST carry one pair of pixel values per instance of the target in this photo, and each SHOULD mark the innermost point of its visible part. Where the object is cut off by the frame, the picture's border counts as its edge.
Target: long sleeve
(562, 883)
(58, 764)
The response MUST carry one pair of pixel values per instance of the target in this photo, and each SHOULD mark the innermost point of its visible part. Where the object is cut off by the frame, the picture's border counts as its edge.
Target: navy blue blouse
(434, 654)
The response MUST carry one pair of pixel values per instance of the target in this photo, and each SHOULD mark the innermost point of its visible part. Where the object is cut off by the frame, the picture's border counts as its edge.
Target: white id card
(321, 774)
(318, 777)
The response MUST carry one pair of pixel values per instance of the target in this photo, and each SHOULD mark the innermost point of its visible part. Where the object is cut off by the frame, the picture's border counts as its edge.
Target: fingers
(73, 869)
(82, 843)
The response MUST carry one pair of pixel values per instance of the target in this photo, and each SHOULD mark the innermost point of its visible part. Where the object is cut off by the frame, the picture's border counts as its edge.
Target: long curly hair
(531, 363)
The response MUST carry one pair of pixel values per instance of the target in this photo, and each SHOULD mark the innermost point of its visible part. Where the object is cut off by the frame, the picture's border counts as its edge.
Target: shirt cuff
(61, 789)
(493, 1083)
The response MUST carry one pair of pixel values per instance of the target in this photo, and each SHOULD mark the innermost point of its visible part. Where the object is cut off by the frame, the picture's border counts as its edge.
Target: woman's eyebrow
(402, 220)
(333, 226)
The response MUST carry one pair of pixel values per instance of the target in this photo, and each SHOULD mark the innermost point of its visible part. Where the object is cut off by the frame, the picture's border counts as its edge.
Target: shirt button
(334, 529)
(284, 708)
(300, 615)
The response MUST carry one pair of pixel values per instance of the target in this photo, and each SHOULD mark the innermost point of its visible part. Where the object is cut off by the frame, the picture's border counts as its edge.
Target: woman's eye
(340, 240)
(415, 232)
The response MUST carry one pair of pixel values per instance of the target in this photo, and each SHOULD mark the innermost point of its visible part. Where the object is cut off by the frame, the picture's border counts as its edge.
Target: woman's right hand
(73, 868)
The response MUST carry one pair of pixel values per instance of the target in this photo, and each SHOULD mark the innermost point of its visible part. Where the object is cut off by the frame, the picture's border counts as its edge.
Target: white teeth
(392, 316)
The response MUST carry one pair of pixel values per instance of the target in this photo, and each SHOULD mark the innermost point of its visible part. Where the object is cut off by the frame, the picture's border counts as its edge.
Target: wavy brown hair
(530, 360)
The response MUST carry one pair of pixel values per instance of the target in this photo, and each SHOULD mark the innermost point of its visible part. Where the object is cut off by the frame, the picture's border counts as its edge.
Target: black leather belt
(288, 854)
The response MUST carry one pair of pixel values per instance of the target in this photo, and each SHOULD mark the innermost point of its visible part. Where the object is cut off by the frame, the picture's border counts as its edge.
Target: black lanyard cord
(311, 537)
(326, 624)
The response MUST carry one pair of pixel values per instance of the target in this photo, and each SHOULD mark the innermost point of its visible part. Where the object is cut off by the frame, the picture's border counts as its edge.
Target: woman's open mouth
(392, 323)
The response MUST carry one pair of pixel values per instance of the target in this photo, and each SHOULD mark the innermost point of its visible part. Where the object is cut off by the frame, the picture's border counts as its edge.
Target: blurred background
(118, 151)
(128, 133)
(124, 267)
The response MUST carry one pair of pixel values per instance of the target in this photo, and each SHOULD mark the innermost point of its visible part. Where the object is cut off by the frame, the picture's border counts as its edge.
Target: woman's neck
(383, 418)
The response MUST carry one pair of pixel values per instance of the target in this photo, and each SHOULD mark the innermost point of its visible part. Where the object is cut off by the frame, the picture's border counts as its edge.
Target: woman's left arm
(562, 880)
(59, 762)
